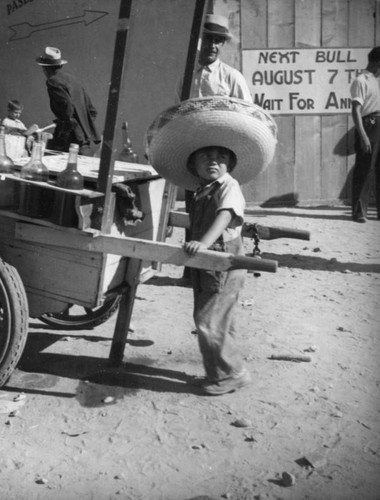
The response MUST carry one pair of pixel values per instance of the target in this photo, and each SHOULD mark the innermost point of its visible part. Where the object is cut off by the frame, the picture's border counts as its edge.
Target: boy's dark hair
(374, 55)
(231, 163)
(15, 105)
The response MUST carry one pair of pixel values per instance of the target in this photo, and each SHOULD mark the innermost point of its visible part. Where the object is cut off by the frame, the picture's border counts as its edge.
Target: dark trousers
(365, 165)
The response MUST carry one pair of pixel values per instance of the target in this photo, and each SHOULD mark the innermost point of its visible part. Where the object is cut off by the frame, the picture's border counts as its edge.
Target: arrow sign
(25, 30)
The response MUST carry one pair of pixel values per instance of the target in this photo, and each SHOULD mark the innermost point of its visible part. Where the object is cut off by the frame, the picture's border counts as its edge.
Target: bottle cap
(74, 146)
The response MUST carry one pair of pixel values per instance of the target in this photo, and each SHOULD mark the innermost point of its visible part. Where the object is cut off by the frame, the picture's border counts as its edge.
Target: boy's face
(212, 162)
(14, 114)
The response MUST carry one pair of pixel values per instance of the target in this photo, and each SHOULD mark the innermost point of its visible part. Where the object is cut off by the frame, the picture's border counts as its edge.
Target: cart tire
(14, 316)
(68, 320)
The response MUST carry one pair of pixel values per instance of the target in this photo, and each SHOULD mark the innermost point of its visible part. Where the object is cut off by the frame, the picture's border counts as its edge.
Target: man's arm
(358, 121)
(60, 102)
(240, 88)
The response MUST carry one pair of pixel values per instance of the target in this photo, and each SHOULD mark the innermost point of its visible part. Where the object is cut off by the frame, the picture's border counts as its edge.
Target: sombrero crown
(244, 128)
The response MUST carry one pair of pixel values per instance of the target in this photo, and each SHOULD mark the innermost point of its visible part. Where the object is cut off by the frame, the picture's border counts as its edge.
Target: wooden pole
(108, 154)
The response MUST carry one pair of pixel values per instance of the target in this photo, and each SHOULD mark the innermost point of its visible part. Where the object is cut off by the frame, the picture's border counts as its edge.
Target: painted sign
(303, 81)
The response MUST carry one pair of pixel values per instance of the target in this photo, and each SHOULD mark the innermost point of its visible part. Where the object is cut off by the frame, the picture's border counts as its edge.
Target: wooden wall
(315, 153)
(85, 30)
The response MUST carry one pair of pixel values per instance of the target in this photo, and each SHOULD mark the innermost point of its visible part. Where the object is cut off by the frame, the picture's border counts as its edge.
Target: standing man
(70, 103)
(212, 76)
(365, 94)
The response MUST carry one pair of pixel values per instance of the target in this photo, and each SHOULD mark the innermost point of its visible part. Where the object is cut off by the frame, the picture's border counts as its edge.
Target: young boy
(13, 124)
(212, 145)
(216, 218)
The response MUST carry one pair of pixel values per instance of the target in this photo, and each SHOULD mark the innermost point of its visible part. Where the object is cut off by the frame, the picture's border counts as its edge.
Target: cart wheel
(14, 315)
(73, 318)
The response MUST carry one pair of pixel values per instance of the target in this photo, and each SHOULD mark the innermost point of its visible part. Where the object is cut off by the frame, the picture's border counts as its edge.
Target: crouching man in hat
(211, 146)
(70, 103)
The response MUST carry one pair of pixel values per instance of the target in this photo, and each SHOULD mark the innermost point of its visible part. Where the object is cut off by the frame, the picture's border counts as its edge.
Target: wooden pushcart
(89, 249)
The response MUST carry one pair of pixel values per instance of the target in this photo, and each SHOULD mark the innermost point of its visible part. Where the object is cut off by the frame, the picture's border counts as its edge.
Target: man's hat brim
(244, 128)
(226, 36)
(43, 61)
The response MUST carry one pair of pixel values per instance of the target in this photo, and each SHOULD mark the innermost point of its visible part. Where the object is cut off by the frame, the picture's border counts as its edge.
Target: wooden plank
(281, 172)
(362, 13)
(108, 153)
(281, 17)
(231, 53)
(181, 219)
(280, 176)
(308, 20)
(89, 168)
(194, 46)
(254, 24)
(308, 23)
(377, 23)
(67, 274)
(125, 312)
(334, 128)
(335, 23)
(142, 249)
(276, 184)
(308, 158)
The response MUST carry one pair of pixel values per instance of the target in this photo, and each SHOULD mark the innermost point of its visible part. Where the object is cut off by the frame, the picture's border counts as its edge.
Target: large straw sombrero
(246, 129)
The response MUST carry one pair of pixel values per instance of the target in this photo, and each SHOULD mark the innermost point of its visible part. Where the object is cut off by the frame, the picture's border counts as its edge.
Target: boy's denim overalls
(215, 295)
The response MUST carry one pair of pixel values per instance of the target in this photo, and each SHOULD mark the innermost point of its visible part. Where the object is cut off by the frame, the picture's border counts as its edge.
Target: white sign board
(303, 81)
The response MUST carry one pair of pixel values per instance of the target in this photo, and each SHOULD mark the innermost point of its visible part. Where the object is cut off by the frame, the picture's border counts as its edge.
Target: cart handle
(181, 219)
(154, 251)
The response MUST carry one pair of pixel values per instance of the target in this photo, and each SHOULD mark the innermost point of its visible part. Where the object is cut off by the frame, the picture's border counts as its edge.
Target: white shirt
(13, 124)
(217, 79)
(229, 197)
(365, 90)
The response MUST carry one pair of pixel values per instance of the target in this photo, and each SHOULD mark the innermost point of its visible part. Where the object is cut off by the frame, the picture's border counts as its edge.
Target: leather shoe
(230, 384)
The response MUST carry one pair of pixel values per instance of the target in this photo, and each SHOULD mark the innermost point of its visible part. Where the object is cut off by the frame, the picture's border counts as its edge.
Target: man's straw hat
(217, 25)
(51, 57)
(244, 128)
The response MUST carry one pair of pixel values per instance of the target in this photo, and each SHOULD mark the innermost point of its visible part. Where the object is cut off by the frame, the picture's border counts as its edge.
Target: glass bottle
(6, 163)
(34, 199)
(127, 153)
(35, 169)
(70, 178)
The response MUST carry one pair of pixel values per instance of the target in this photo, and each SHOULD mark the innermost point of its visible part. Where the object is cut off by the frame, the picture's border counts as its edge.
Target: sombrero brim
(244, 128)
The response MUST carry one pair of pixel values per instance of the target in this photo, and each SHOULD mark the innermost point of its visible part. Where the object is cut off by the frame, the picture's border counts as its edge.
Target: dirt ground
(159, 439)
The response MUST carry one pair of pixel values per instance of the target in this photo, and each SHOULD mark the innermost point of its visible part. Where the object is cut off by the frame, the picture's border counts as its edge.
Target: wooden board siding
(315, 153)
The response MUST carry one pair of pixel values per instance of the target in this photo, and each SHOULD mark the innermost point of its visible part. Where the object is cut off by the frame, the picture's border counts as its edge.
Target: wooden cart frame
(46, 265)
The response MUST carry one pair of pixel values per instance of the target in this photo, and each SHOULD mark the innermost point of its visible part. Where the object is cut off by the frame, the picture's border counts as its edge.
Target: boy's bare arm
(220, 223)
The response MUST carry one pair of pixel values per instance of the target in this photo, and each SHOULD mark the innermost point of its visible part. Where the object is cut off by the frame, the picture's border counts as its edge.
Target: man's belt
(372, 115)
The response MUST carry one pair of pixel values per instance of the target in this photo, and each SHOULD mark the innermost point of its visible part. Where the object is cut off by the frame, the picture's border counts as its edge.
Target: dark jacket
(74, 110)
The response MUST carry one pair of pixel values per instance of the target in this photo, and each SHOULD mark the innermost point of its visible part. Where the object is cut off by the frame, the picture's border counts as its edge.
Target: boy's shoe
(227, 385)
(200, 381)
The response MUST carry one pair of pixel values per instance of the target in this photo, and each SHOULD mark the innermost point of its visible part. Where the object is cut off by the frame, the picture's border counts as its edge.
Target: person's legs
(215, 300)
(377, 184)
(360, 182)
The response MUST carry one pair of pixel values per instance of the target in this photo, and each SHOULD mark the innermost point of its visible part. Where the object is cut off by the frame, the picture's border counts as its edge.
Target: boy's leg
(215, 301)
